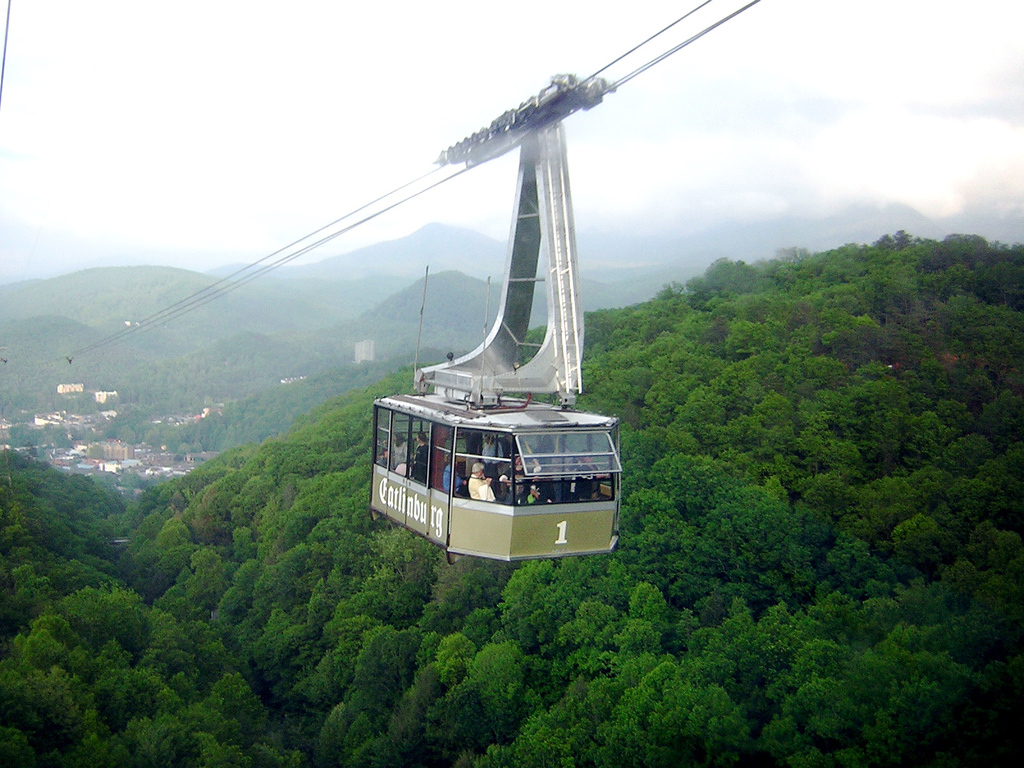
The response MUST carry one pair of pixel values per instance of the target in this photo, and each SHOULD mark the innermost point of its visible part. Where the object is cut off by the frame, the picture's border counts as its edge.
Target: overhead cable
(248, 273)
(3, 63)
(661, 31)
(675, 49)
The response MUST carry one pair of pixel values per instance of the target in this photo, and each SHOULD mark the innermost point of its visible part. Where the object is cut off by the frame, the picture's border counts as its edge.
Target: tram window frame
(441, 451)
(419, 426)
(565, 489)
(560, 454)
(382, 431)
(389, 426)
(469, 449)
(400, 429)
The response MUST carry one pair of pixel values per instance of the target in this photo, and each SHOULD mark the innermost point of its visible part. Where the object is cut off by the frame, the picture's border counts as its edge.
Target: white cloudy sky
(199, 133)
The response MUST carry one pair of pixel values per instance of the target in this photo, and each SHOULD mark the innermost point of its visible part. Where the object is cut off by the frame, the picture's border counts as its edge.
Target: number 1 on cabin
(561, 532)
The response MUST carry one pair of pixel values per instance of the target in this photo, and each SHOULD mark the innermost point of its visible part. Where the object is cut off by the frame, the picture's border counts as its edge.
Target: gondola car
(462, 463)
(552, 476)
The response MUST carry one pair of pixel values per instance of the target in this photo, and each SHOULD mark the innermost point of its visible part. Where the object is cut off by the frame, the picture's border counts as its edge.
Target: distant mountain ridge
(691, 245)
(607, 256)
(301, 320)
(247, 340)
(439, 246)
(297, 299)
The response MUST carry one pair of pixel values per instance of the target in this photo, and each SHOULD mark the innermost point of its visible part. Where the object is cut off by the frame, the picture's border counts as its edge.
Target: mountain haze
(439, 246)
(294, 321)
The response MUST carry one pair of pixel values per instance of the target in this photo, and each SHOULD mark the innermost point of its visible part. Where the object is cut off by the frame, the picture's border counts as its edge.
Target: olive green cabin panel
(484, 531)
(562, 532)
(506, 533)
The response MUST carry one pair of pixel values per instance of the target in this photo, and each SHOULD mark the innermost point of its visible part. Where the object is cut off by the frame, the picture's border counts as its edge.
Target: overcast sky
(197, 134)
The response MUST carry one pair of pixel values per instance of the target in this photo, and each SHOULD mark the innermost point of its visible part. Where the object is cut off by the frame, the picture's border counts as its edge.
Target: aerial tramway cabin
(546, 485)
(462, 463)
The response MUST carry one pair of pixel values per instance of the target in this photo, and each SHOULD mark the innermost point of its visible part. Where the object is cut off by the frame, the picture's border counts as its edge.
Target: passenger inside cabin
(493, 451)
(419, 463)
(446, 481)
(398, 454)
(479, 485)
(519, 487)
(503, 494)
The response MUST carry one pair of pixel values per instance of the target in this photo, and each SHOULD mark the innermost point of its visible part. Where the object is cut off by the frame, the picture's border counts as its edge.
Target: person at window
(479, 485)
(533, 496)
(520, 488)
(398, 455)
(419, 462)
(446, 481)
(504, 492)
(534, 467)
(492, 451)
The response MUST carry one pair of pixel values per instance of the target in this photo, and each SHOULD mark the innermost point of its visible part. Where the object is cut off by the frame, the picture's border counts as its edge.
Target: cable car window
(398, 458)
(567, 453)
(490, 451)
(441, 458)
(381, 449)
(420, 446)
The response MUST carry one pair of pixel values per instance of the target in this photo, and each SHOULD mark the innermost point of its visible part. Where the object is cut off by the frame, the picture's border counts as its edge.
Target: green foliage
(821, 560)
(55, 537)
(180, 364)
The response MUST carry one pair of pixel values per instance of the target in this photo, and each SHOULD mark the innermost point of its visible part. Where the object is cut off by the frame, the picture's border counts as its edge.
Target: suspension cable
(638, 46)
(3, 64)
(675, 49)
(304, 250)
(248, 273)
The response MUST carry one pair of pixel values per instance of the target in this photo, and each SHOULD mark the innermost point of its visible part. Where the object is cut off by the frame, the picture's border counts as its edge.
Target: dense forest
(251, 419)
(820, 560)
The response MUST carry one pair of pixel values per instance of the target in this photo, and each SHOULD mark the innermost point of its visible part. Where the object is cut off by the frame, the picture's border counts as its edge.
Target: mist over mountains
(302, 320)
(292, 322)
(691, 245)
(615, 271)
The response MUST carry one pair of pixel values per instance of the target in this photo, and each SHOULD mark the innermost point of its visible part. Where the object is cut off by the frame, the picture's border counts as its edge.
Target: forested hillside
(216, 353)
(251, 419)
(55, 538)
(820, 561)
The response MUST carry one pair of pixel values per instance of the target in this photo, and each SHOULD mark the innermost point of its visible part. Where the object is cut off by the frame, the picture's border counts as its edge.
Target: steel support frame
(542, 226)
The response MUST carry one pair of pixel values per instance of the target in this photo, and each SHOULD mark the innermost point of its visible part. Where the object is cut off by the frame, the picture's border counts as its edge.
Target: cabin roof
(513, 415)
